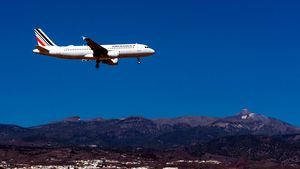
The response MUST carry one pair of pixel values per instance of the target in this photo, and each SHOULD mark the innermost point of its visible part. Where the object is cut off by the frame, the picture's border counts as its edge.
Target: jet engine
(113, 53)
(111, 61)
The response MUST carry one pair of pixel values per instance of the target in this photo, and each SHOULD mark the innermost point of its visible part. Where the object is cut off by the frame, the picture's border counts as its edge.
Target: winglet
(83, 37)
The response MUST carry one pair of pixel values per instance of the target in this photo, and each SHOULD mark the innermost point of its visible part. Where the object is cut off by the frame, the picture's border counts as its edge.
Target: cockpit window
(146, 47)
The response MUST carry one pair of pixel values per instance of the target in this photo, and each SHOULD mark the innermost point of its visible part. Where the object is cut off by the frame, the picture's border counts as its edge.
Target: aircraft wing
(98, 49)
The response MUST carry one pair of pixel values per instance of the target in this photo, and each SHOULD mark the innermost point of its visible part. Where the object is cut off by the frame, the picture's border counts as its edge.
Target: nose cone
(152, 51)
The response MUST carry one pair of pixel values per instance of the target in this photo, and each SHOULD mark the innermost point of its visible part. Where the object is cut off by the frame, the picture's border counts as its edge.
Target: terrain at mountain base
(83, 157)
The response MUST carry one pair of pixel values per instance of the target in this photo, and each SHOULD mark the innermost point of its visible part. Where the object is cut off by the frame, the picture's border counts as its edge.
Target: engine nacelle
(91, 55)
(113, 53)
(111, 61)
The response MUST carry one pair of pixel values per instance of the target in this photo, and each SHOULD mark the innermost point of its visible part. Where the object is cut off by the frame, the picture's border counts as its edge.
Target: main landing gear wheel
(97, 64)
(138, 61)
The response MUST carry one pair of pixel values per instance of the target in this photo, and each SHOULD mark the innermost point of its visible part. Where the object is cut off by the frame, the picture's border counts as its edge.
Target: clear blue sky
(212, 58)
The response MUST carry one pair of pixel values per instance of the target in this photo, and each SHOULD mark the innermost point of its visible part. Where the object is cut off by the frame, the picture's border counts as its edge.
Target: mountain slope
(255, 124)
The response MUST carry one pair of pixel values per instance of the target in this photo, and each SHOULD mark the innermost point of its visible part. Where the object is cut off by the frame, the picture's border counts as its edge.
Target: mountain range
(142, 132)
(256, 135)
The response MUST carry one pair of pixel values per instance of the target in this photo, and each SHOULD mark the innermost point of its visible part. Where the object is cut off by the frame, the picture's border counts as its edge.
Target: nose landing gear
(138, 61)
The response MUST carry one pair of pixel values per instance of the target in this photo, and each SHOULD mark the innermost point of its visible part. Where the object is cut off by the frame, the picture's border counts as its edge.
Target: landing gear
(138, 61)
(97, 64)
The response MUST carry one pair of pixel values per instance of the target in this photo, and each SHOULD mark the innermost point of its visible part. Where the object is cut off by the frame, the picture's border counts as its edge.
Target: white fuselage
(85, 52)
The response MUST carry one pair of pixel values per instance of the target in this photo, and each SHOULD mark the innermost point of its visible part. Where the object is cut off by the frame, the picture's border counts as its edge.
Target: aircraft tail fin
(42, 38)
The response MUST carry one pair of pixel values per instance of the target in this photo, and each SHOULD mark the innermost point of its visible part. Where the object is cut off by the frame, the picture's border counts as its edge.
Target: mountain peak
(244, 112)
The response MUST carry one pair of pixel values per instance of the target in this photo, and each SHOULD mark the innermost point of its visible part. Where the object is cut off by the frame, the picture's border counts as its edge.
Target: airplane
(106, 54)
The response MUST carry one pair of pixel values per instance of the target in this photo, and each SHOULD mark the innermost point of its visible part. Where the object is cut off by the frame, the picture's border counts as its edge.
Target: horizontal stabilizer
(42, 49)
